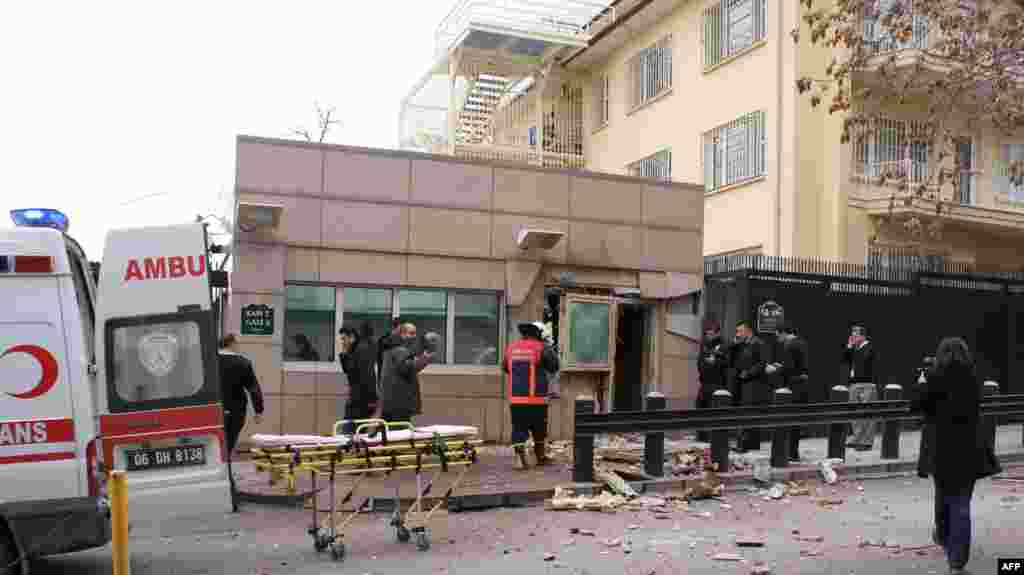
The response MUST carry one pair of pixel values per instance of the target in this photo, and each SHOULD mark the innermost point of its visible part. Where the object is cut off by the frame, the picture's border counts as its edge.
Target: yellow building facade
(705, 92)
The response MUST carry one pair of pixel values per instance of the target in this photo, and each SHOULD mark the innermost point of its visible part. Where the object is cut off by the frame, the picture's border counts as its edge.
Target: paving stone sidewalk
(494, 478)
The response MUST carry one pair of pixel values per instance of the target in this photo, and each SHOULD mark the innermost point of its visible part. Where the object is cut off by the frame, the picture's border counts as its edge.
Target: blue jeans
(953, 521)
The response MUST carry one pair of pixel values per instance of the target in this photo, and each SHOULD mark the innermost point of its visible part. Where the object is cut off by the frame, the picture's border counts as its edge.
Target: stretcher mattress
(419, 434)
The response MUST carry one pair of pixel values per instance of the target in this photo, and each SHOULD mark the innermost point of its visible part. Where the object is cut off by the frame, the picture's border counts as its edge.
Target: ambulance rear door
(159, 397)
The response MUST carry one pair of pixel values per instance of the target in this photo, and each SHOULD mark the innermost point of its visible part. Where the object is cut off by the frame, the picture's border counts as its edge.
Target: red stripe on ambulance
(164, 267)
(35, 432)
(37, 457)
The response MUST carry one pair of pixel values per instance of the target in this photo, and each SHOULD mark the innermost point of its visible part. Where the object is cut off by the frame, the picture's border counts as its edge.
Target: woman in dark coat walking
(953, 451)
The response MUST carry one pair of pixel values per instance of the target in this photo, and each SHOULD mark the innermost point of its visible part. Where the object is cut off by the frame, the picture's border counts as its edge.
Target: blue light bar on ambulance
(40, 218)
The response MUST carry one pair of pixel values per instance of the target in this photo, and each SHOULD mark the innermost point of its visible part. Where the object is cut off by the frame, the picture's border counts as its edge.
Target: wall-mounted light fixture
(254, 217)
(543, 239)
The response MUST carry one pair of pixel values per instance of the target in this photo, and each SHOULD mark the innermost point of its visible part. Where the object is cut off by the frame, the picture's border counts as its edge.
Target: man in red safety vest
(527, 363)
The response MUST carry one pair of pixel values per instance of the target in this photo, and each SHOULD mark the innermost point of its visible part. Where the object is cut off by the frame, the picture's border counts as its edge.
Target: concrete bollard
(720, 437)
(583, 446)
(989, 423)
(891, 428)
(780, 435)
(837, 431)
(654, 442)
(119, 522)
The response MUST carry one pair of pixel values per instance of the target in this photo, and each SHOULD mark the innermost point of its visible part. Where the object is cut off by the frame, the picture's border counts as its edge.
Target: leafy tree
(964, 58)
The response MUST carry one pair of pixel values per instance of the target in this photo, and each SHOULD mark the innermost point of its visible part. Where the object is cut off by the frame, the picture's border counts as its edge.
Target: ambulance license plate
(164, 457)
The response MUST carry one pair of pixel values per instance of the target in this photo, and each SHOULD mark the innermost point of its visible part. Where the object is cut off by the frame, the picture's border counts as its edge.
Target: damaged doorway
(631, 350)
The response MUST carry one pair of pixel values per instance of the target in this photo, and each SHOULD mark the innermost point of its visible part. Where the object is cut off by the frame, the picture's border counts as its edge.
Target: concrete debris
(827, 472)
(829, 501)
(613, 542)
(796, 489)
(704, 514)
(586, 533)
(778, 491)
(810, 538)
(760, 570)
(749, 542)
(566, 500)
(763, 470)
(810, 552)
(549, 556)
(1009, 499)
(633, 527)
(705, 488)
(614, 481)
(727, 557)
(568, 542)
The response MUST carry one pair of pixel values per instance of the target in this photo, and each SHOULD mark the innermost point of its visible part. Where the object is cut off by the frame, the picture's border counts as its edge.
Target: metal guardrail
(780, 417)
(567, 18)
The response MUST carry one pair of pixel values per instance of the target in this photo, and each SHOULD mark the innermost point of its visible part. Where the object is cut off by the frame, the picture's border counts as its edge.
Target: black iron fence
(779, 417)
(908, 303)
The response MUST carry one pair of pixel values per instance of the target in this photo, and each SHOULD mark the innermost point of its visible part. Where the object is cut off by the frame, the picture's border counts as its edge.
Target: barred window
(658, 166)
(1013, 188)
(896, 148)
(650, 72)
(731, 26)
(602, 101)
(735, 152)
(877, 38)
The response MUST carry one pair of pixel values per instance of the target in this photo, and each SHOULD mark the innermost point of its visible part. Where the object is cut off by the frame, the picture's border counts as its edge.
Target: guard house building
(329, 236)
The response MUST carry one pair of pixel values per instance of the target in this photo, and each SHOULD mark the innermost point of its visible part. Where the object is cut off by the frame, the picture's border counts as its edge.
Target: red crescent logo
(46, 361)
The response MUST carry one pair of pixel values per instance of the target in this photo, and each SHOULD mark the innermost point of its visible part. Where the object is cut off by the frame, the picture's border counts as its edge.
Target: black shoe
(864, 447)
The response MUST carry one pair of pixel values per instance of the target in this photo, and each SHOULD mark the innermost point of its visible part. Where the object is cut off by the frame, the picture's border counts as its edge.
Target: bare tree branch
(324, 122)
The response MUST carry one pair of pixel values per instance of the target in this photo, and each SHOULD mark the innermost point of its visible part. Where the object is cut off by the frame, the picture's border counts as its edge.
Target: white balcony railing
(569, 19)
(878, 38)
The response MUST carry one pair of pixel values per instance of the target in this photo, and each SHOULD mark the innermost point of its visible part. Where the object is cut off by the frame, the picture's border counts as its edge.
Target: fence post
(583, 446)
(780, 435)
(837, 431)
(990, 423)
(119, 522)
(891, 429)
(654, 442)
(720, 437)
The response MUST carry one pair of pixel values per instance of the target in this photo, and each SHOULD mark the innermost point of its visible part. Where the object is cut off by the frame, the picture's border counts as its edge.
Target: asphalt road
(892, 515)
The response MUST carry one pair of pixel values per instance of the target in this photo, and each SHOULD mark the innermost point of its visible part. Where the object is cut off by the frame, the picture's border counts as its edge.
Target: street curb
(731, 482)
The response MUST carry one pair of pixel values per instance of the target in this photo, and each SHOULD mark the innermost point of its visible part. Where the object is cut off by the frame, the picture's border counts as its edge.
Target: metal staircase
(476, 116)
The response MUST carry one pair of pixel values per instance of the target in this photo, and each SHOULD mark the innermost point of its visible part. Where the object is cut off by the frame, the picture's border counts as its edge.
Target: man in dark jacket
(400, 387)
(711, 368)
(747, 363)
(791, 367)
(859, 358)
(387, 341)
(237, 379)
(359, 362)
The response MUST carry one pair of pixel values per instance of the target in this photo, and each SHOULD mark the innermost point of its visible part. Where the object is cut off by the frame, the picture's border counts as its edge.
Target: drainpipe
(778, 135)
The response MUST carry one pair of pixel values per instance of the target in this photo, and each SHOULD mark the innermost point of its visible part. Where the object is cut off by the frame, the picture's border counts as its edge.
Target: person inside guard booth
(791, 366)
(711, 368)
(528, 363)
(747, 363)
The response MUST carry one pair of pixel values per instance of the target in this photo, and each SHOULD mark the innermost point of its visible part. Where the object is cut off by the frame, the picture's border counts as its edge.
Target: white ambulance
(127, 380)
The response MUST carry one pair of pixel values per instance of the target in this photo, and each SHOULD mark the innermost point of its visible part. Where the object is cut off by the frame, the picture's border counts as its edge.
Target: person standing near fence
(711, 368)
(747, 363)
(791, 366)
(859, 358)
(959, 455)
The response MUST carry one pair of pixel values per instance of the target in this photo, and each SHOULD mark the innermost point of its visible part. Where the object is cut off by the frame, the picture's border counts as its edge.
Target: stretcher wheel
(402, 533)
(321, 542)
(338, 551)
(422, 540)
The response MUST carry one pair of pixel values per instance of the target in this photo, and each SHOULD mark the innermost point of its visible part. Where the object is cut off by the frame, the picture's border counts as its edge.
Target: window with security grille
(731, 26)
(650, 72)
(735, 152)
(897, 149)
(657, 166)
(1004, 181)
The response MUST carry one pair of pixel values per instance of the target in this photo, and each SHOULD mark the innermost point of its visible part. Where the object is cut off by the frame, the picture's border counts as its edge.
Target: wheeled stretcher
(375, 446)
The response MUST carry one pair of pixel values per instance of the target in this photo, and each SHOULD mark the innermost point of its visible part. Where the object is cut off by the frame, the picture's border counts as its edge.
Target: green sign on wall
(257, 319)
